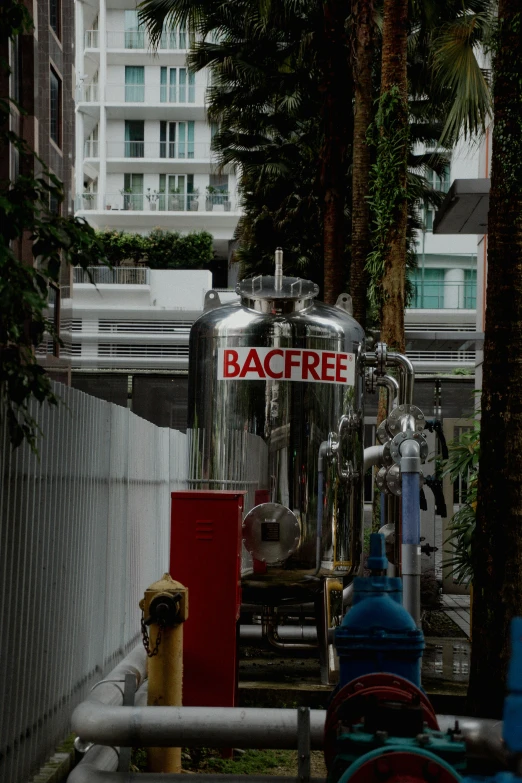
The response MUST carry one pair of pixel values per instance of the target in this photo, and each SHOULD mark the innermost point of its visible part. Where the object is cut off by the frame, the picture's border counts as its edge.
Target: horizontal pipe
(89, 774)
(372, 456)
(285, 633)
(483, 736)
(193, 727)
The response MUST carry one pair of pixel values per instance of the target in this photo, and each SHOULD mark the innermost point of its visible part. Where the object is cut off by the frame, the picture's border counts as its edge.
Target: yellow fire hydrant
(164, 610)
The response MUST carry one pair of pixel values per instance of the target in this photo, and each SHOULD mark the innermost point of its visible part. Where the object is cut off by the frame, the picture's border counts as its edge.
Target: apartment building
(40, 86)
(142, 135)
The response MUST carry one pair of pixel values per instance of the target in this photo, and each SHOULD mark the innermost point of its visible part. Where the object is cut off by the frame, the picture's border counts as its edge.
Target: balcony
(159, 150)
(440, 295)
(155, 94)
(91, 148)
(102, 275)
(92, 39)
(88, 93)
(139, 40)
(85, 202)
(171, 202)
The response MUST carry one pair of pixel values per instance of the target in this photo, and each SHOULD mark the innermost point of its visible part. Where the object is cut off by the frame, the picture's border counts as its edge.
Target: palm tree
(363, 26)
(497, 548)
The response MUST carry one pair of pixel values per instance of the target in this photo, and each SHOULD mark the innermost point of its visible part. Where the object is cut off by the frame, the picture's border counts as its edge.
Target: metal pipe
(372, 456)
(89, 774)
(272, 634)
(483, 736)
(290, 633)
(408, 376)
(411, 561)
(391, 385)
(193, 727)
(278, 277)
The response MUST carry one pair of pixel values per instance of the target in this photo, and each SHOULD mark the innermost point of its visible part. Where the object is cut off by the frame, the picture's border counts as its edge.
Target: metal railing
(444, 295)
(174, 40)
(86, 201)
(164, 150)
(456, 357)
(120, 275)
(83, 531)
(92, 39)
(88, 93)
(172, 202)
(91, 148)
(154, 94)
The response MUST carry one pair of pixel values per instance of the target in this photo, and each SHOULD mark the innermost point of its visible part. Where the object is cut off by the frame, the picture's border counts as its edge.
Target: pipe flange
(381, 352)
(380, 480)
(386, 455)
(396, 443)
(370, 380)
(393, 480)
(383, 436)
(394, 420)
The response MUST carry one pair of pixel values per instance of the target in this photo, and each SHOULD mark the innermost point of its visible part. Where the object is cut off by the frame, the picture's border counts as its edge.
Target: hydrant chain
(146, 639)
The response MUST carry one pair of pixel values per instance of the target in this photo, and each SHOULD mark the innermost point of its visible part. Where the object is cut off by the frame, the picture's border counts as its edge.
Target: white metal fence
(84, 529)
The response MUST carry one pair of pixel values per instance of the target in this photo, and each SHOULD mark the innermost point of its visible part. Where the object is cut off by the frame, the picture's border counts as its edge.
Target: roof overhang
(465, 208)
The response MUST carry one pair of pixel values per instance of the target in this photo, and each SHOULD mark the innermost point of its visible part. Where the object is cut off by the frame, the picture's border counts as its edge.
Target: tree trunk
(497, 547)
(337, 96)
(362, 14)
(394, 75)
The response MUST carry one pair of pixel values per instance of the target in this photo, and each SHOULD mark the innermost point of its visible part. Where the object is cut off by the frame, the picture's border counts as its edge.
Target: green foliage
(387, 193)
(462, 464)
(159, 249)
(251, 762)
(25, 215)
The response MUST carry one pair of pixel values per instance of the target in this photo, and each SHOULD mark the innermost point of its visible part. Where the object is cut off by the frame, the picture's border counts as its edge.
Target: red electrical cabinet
(205, 556)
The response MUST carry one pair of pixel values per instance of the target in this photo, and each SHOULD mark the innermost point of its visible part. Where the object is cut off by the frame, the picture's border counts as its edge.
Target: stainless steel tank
(271, 378)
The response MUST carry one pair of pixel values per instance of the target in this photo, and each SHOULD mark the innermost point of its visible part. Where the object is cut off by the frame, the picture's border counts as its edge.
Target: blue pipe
(411, 509)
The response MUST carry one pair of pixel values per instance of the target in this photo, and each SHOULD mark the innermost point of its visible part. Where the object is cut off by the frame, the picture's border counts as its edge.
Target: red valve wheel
(381, 686)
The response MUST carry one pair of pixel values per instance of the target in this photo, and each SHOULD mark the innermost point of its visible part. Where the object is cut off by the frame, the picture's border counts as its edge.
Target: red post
(205, 556)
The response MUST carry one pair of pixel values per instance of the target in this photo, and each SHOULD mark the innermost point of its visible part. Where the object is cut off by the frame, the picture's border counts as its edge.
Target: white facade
(134, 318)
(143, 156)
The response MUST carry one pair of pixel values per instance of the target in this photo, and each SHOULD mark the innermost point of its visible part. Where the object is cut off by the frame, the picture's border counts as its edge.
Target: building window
(55, 112)
(428, 289)
(55, 16)
(177, 86)
(134, 138)
(133, 191)
(176, 192)
(134, 83)
(134, 32)
(470, 289)
(180, 141)
(219, 182)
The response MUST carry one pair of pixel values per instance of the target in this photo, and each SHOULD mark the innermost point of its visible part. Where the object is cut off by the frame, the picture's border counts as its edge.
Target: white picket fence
(84, 529)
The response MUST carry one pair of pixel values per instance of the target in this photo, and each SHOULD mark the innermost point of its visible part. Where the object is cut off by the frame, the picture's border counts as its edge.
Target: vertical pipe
(410, 468)
(278, 282)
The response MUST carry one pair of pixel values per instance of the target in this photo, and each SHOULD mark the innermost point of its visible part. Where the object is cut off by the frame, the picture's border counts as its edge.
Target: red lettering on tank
(252, 364)
(268, 358)
(327, 363)
(230, 363)
(290, 355)
(310, 362)
(341, 365)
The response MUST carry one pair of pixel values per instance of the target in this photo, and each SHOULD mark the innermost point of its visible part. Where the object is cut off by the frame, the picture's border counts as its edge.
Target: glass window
(134, 138)
(55, 16)
(470, 289)
(219, 182)
(133, 191)
(134, 83)
(428, 289)
(55, 108)
(134, 32)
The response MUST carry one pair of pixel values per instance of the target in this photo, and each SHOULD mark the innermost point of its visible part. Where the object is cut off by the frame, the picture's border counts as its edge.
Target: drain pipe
(411, 561)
